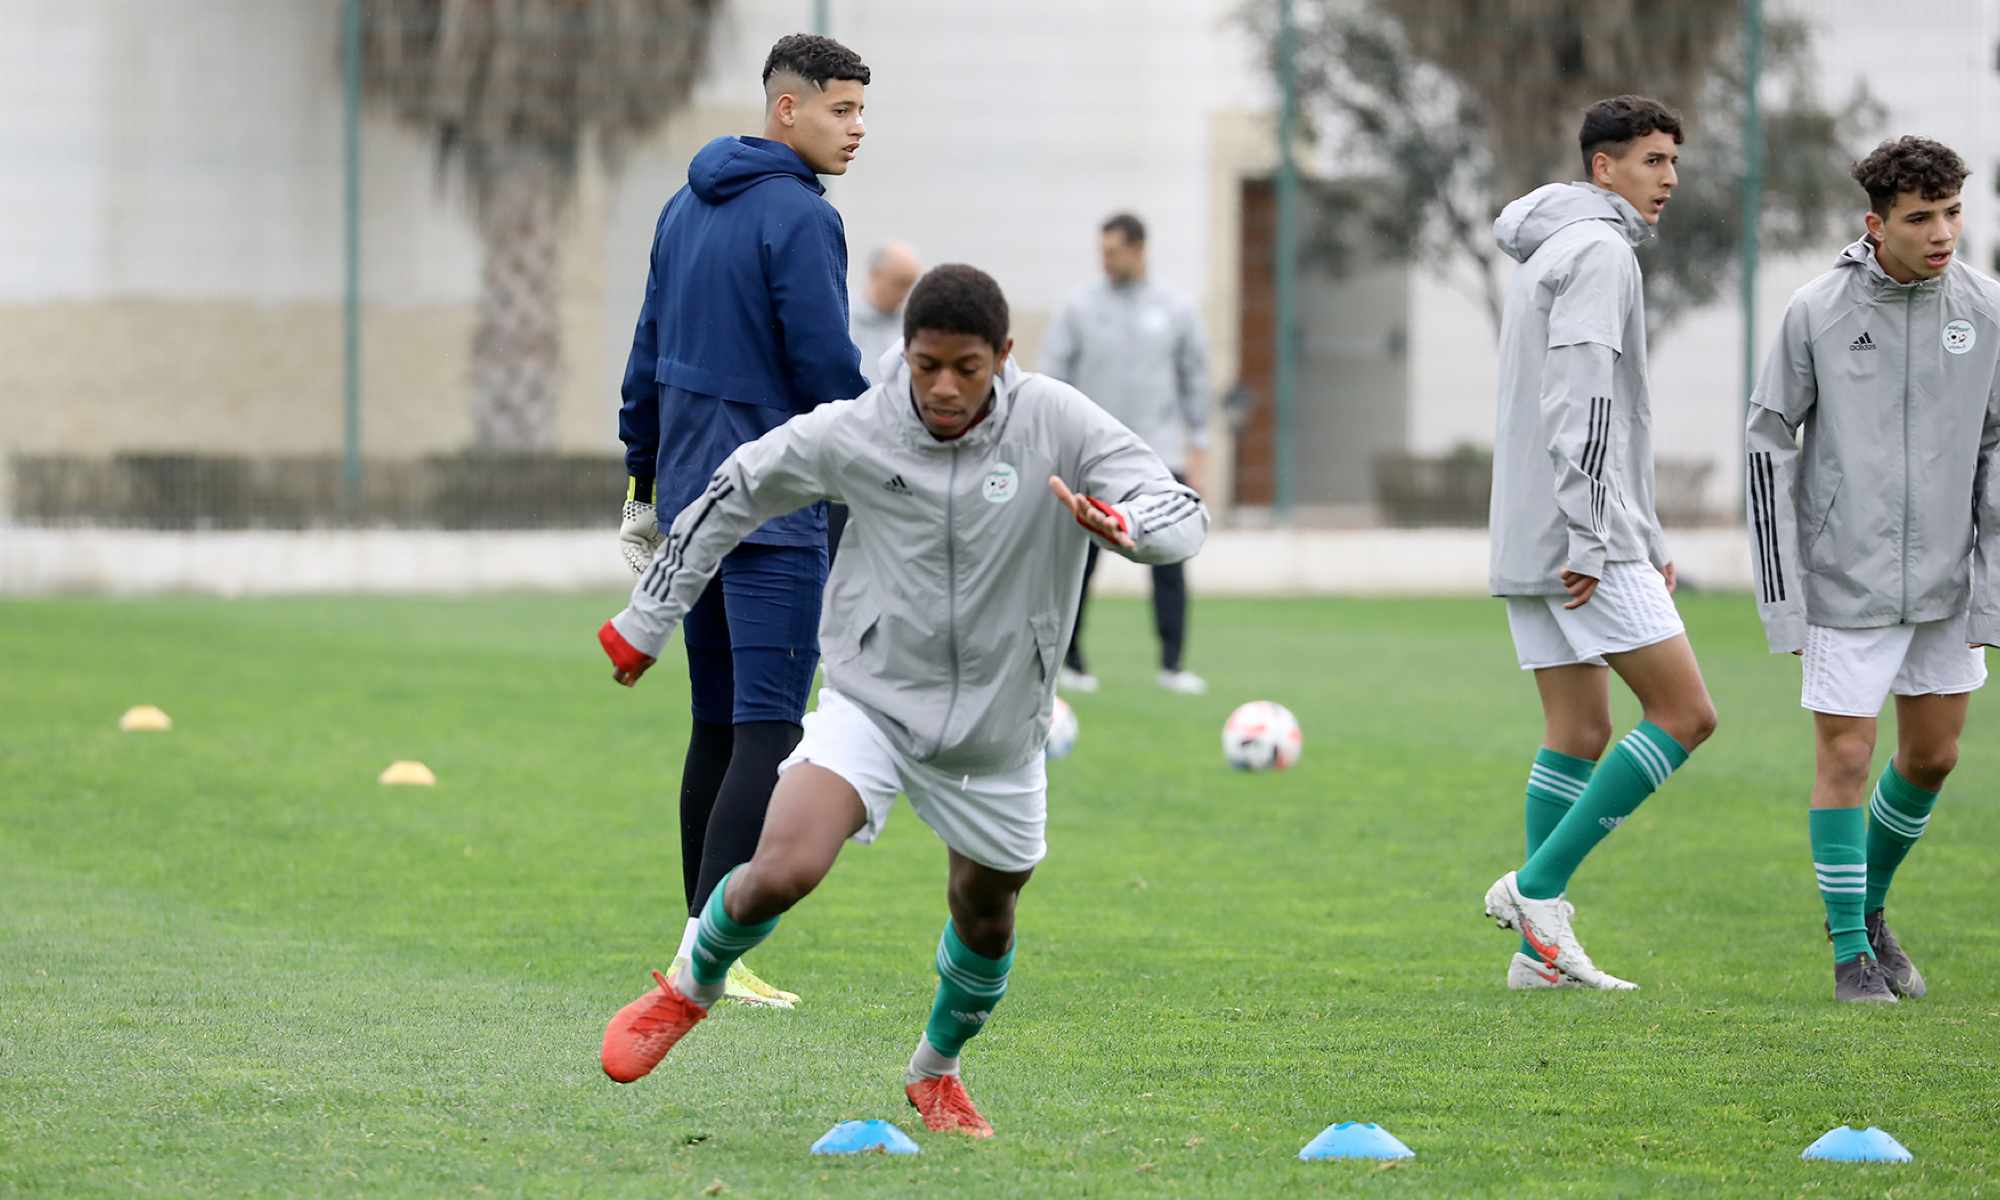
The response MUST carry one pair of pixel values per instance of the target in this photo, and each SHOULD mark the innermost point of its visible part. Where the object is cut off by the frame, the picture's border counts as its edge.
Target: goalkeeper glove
(639, 533)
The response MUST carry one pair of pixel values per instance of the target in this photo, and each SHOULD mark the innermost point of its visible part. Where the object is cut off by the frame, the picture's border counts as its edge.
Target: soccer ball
(1062, 731)
(1261, 736)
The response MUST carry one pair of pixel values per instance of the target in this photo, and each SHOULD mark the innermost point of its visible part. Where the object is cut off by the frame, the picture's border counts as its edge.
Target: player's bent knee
(775, 882)
(1927, 766)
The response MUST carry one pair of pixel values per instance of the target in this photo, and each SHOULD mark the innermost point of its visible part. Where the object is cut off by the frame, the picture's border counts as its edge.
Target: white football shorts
(1631, 608)
(996, 820)
(1851, 672)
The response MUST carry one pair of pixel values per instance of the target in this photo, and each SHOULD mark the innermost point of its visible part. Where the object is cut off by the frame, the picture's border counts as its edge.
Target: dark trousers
(836, 524)
(1170, 605)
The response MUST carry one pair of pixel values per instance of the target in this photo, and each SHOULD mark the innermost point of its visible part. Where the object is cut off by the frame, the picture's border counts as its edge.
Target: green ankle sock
(1837, 838)
(1897, 816)
(1634, 770)
(969, 987)
(1555, 782)
(721, 940)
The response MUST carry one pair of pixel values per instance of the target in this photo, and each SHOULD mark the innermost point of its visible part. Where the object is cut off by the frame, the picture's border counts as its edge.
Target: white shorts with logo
(1631, 608)
(1851, 672)
(995, 820)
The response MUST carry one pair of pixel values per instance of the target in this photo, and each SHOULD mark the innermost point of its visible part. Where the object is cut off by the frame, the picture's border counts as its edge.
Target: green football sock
(969, 986)
(1837, 837)
(1897, 815)
(722, 940)
(1636, 767)
(1555, 783)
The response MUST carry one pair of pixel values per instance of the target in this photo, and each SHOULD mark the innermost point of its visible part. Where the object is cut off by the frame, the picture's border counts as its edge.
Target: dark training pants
(1170, 605)
(752, 646)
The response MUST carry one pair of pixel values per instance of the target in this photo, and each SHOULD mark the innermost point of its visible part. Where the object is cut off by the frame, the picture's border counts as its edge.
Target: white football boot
(1526, 974)
(1546, 925)
(1184, 683)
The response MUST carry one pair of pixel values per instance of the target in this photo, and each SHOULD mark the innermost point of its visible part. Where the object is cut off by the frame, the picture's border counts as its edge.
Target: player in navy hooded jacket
(744, 326)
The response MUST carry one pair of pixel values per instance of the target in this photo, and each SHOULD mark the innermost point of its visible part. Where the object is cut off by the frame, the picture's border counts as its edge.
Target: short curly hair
(955, 298)
(1909, 164)
(814, 59)
(1617, 120)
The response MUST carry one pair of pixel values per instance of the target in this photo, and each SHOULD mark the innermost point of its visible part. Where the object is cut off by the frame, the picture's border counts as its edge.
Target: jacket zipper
(951, 592)
(1909, 349)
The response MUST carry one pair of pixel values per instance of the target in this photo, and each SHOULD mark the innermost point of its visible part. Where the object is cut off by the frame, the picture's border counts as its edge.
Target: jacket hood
(1533, 219)
(729, 166)
(1860, 255)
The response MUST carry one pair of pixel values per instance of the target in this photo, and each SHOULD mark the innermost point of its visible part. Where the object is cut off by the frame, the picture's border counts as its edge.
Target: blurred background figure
(1136, 348)
(877, 308)
(876, 324)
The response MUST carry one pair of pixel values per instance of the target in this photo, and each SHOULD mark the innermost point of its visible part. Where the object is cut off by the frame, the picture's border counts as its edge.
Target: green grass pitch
(230, 963)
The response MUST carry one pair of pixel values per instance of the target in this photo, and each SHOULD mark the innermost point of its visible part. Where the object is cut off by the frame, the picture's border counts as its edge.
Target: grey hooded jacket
(1889, 513)
(1136, 349)
(1573, 453)
(959, 576)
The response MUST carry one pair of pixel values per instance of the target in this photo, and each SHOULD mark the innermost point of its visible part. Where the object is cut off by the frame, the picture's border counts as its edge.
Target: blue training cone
(1847, 1144)
(864, 1137)
(1355, 1139)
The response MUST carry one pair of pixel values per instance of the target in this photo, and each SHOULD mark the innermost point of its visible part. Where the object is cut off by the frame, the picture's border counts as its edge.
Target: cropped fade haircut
(1129, 227)
(1620, 120)
(814, 59)
(955, 298)
(1931, 169)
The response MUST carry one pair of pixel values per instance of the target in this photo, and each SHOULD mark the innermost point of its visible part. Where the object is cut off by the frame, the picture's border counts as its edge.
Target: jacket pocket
(1047, 631)
(844, 648)
(1823, 520)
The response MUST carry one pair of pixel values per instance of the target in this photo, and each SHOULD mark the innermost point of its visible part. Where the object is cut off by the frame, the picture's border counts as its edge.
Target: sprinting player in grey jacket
(1136, 348)
(1577, 547)
(1877, 540)
(944, 625)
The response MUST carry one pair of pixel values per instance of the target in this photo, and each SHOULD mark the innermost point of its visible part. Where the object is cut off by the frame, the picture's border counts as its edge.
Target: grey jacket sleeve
(1576, 425)
(1191, 377)
(1165, 518)
(1984, 623)
(774, 475)
(1786, 392)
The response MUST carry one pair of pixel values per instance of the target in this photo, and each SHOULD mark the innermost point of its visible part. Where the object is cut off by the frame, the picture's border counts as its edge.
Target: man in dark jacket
(744, 326)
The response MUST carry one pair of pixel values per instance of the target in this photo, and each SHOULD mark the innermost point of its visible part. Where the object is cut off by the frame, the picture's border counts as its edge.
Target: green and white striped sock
(1898, 814)
(1837, 837)
(718, 943)
(1555, 782)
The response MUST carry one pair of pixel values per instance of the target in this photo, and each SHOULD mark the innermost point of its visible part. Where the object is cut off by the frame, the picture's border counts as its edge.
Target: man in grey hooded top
(1577, 548)
(1874, 504)
(944, 627)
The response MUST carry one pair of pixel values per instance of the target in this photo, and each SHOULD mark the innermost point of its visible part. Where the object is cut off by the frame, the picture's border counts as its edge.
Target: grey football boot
(1861, 980)
(1904, 978)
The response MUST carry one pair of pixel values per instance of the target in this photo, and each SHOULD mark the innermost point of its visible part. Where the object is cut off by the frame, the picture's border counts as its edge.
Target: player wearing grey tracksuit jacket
(1889, 513)
(959, 579)
(1573, 455)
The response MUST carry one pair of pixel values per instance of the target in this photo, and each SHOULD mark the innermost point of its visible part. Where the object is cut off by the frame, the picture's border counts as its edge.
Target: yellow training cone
(145, 719)
(407, 771)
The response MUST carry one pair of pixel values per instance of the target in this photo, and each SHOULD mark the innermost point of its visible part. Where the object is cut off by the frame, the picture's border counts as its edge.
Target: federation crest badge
(1001, 483)
(1959, 336)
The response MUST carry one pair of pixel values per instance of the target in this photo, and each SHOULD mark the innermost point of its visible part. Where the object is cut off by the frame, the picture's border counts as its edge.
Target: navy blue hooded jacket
(744, 324)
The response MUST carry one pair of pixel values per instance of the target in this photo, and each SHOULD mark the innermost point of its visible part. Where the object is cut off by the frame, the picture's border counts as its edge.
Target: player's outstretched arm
(1123, 483)
(769, 477)
(1984, 623)
(1786, 392)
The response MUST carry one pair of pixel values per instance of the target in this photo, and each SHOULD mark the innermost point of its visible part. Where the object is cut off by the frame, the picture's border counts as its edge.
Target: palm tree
(512, 93)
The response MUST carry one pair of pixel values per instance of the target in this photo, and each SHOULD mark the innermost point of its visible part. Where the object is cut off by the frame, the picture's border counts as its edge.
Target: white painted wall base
(1235, 562)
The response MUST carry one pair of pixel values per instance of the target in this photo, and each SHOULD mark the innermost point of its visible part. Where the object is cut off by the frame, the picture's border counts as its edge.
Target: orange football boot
(642, 1032)
(945, 1108)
